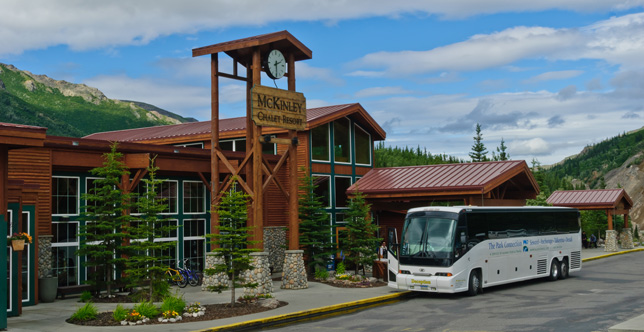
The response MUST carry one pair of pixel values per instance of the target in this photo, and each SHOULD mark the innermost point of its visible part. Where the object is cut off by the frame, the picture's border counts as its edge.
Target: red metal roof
(608, 198)
(203, 127)
(20, 126)
(453, 177)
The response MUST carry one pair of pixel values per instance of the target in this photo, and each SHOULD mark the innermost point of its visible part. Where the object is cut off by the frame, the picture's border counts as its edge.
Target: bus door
(393, 250)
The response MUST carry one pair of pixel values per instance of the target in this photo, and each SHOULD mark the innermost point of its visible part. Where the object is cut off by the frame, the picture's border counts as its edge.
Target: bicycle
(194, 277)
(176, 277)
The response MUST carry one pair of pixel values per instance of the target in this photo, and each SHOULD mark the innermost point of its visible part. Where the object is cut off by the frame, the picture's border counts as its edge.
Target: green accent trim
(32, 258)
(3, 274)
(13, 278)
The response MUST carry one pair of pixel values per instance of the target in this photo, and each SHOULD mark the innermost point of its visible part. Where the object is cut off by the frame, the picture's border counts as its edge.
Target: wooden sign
(278, 108)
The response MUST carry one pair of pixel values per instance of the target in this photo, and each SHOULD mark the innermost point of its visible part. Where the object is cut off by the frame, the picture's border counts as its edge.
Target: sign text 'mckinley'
(278, 108)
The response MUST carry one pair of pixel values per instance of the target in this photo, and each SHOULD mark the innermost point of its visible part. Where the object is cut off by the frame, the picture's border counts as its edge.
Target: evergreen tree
(361, 243)
(501, 149)
(232, 242)
(478, 149)
(315, 229)
(148, 258)
(106, 216)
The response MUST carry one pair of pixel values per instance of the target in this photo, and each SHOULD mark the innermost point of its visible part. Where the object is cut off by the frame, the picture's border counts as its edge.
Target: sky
(547, 77)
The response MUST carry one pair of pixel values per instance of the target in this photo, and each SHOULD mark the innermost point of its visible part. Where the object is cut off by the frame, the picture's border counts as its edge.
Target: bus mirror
(463, 238)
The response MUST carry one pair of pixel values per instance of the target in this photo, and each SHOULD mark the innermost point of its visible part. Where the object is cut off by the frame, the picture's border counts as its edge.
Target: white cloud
(38, 24)
(381, 91)
(536, 146)
(554, 75)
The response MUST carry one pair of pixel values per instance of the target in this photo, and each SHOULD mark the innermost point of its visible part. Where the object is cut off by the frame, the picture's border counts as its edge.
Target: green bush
(340, 269)
(120, 313)
(321, 273)
(147, 309)
(160, 289)
(85, 296)
(173, 303)
(85, 313)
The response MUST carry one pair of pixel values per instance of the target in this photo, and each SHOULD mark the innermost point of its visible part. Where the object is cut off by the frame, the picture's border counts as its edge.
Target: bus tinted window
(476, 227)
(567, 222)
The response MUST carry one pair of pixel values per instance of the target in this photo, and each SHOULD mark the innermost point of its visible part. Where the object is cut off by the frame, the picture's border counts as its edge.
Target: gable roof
(315, 117)
(597, 198)
(431, 180)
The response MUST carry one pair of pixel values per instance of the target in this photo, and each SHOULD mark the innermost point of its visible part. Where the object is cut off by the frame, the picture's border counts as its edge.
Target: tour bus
(464, 249)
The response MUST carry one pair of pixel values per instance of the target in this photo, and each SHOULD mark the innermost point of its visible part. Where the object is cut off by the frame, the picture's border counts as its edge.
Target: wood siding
(33, 165)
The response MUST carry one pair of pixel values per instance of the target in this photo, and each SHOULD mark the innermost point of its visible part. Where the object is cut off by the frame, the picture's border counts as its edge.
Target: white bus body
(465, 249)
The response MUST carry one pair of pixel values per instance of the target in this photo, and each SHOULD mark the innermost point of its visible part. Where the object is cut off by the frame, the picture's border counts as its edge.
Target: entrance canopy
(614, 201)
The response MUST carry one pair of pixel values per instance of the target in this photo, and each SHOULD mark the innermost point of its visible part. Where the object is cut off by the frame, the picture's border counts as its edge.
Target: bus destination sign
(278, 108)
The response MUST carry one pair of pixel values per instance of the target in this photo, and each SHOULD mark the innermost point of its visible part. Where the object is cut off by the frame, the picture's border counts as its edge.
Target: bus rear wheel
(564, 268)
(474, 284)
(555, 270)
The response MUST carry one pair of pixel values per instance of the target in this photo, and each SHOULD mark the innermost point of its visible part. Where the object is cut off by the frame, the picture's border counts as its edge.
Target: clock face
(275, 64)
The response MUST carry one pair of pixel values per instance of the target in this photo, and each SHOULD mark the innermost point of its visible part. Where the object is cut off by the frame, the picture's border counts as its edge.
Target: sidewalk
(319, 299)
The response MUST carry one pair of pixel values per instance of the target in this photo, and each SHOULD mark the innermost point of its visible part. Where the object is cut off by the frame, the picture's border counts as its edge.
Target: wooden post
(214, 141)
(610, 219)
(625, 220)
(258, 183)
(293, 221)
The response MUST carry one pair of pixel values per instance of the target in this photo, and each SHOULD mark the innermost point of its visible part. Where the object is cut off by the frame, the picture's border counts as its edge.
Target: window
(64, 246)
(168, 190)
(170, 254)
(64, 192)
(341, 185)
(323, 189)
(198, 145)
(342, 141)
(363, 146)
(233, 145)
(194, 197)
(194, 243)
(320, 143)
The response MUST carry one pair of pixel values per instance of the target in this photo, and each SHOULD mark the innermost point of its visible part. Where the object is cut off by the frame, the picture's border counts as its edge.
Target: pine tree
(478, 149)
(232, 242)
(315, 229)
(147, 262)
(102, 238)
(361, 243)
(501, 149)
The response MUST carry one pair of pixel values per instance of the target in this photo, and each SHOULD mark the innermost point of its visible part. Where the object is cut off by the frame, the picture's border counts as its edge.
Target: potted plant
(18, 241)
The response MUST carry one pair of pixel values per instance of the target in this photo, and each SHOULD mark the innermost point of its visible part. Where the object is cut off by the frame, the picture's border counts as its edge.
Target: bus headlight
(443, 274)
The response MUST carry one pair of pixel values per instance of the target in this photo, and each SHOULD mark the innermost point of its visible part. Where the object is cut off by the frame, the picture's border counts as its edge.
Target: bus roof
(457, 209)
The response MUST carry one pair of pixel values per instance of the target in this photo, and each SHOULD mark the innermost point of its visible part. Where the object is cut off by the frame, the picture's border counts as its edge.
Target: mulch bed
(213, 311)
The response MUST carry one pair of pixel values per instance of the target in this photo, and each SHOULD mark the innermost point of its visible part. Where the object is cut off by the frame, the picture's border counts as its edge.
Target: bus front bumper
(425, 284)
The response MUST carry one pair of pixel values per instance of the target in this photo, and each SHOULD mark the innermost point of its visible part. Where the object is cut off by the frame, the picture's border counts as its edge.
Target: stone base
(611, 241)
(294, 274)
(217, 279)
(261, 274)
(626, 238)
(274, 245)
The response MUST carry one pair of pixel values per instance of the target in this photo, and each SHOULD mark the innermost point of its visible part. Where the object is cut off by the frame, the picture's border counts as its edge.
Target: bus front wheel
(474, 283)
(555, 270)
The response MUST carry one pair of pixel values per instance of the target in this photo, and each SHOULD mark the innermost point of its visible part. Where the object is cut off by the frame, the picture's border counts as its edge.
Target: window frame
(329, 188)
(183, 198)
(335, 192)
(328, 133)
(176, 205)
(370, 149)
(350, 143)
(78, 196)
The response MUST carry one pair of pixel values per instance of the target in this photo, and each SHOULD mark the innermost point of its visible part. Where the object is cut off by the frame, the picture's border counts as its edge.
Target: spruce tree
(106, 216)
(501, 149)
(147, 262)
(478, 149)
(315, 229)
(360, 246)
(232, 242)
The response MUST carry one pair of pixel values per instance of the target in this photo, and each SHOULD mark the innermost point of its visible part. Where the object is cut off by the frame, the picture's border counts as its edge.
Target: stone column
(294, 274)
(216, 279)
(260, 274)
(611, 241)
(44, 256)
(626, 238)
(275, 245)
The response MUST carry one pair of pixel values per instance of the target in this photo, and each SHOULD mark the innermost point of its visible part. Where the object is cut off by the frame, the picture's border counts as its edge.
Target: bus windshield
(428, 240)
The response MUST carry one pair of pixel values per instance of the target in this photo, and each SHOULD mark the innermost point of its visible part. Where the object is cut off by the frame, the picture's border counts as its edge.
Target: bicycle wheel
(181, 281)
(193, 280)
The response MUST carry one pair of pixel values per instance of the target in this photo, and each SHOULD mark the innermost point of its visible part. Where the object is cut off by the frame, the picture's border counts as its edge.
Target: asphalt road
(606, 292)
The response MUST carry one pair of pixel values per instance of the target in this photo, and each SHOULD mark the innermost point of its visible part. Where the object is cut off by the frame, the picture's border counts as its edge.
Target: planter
(47, 289)
(18, 245)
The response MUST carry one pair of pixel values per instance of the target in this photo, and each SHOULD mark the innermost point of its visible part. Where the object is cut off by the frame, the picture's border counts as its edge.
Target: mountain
(68, 109)
(617, 162)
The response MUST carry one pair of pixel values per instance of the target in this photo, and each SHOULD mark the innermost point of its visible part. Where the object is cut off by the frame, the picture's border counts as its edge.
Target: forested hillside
(67, 109)
(395, 156)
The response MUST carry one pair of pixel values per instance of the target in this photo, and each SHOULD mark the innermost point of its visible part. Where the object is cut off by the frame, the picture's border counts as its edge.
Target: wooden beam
(137, 160)
(205, 182)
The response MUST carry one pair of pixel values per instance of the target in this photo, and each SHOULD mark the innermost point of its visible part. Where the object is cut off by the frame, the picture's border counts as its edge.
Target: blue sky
(547, 77)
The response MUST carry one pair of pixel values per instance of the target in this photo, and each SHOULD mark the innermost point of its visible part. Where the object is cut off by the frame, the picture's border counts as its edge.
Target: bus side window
(476, 229)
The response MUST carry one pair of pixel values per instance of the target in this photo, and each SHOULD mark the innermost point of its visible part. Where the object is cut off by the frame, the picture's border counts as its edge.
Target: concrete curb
(313, 313)
(611, 254)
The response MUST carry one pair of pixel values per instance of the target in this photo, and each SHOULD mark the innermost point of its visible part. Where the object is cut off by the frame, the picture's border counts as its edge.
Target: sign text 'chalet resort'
(278, 108)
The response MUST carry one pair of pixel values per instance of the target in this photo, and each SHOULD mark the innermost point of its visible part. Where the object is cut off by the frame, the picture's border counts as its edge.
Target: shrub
(321, 273)
(147, 309)
(160, 289)
(85, 296)
(173, 303)
(85, 313)
(120, 313)
(340, 269)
